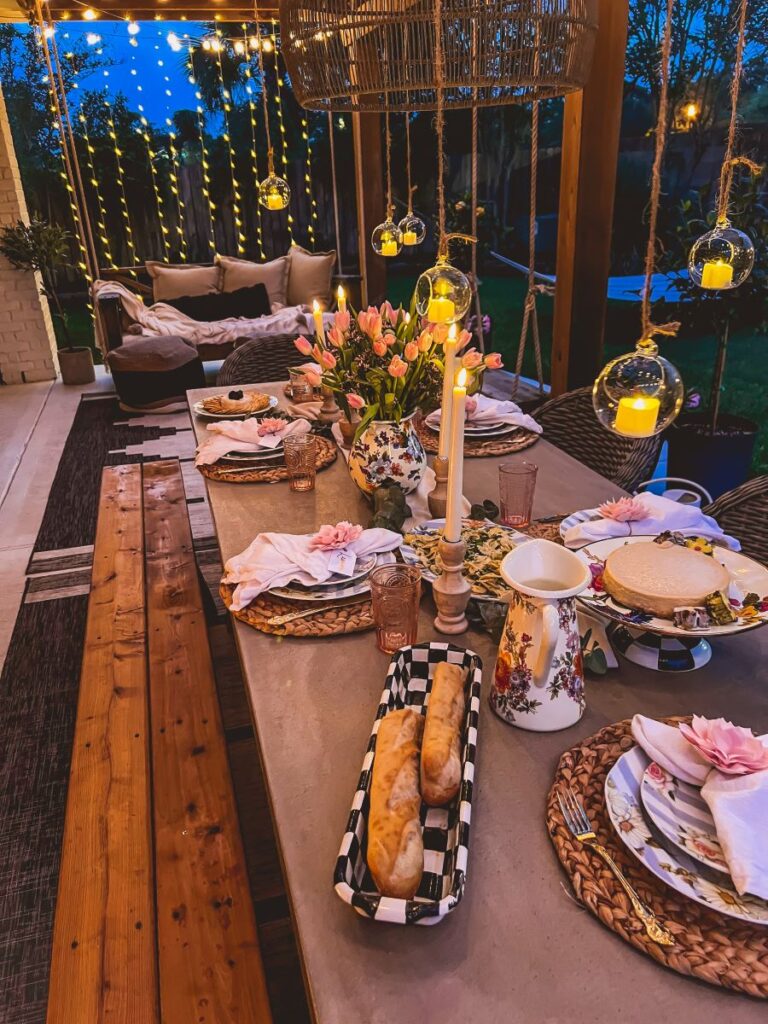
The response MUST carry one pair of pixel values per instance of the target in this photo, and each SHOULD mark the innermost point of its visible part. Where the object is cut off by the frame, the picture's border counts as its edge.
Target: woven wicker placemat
(327, 453)
(352, 618)
(708, 945)
(517, 441)
(545, 529)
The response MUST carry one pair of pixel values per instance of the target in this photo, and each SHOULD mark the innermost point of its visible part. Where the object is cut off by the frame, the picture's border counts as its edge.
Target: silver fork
(578, 822)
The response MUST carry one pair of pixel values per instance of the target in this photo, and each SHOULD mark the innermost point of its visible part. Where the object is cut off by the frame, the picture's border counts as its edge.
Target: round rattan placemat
(351, 618)
(515, 442)
(708, 945)
(327, 453)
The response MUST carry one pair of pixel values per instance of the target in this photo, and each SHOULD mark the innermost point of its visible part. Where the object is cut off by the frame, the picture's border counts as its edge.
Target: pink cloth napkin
(738, 803)
(244, 436)
(481, 409)
(275, 559)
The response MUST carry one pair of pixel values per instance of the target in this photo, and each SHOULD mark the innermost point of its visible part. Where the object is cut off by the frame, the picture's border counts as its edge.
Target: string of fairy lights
(242, 49)
(281, 123)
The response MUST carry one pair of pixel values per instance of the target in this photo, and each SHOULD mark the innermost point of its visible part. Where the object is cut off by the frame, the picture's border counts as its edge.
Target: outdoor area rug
(38, 704)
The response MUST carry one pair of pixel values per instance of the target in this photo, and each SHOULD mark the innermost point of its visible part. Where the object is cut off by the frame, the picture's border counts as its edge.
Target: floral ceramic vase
(538, 682)
(388, 451)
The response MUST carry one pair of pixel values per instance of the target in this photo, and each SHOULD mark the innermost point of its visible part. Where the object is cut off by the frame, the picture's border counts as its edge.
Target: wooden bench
(154, 920)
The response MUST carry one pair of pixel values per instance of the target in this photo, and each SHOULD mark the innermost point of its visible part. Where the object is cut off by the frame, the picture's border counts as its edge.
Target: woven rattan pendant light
(380, 54)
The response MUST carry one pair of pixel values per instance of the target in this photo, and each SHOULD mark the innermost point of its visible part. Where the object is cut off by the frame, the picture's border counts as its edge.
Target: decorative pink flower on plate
(272, 425)
(471, 359)
(657, 775)
(730, 748)
(411, 351)
(369, 321)
(303, 346)
(397, 367)
(624, 510)
(342, 320)
(355, 401)
(471, 407)
(493, 361)
(331, 538)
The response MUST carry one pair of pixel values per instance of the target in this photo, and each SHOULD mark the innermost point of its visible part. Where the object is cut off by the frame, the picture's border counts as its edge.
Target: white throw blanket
(244, 436)
(738, 803)
(275, 559)
(164, 319)
(483, 410)
(662, 514)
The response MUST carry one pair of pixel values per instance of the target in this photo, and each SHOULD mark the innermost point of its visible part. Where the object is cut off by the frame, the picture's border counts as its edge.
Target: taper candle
(456, 461)
(448, 376)
(317, 315)
(341, 299)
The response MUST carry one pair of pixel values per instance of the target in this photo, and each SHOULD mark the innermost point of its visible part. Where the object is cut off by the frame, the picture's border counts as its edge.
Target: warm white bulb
(133, 28)
(89, 14)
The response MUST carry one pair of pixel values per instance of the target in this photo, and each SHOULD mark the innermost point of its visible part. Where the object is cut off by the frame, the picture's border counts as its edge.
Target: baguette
(395, 847)
(440, 753)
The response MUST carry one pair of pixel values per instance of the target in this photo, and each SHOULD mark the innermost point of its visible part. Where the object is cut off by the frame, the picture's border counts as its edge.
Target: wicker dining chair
(743, 512)
(260, 360)
(570, 423)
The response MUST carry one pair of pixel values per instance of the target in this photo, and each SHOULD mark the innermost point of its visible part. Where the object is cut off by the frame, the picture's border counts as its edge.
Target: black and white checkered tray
(445, 830)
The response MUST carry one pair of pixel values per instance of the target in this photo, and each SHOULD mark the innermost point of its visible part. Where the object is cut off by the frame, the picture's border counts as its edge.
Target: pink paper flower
(471, 359)
(470, 407)
(342, 320)
(355, 401)
(424, 341)
(336, 337)
(303, 346)
(624, 510)
(331, 538)
(327, 360)
(730, 748)
(493, 361)
(314, 378)
(411, 351)
(271, 425)
(387, 310)
(379, 347)
(369, 321)
(463, 339)
(397, 367)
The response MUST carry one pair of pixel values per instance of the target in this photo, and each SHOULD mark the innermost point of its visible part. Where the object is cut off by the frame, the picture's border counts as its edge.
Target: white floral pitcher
(538, 683)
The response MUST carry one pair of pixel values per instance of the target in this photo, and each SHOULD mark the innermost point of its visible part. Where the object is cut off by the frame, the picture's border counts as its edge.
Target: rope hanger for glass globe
(335, 192)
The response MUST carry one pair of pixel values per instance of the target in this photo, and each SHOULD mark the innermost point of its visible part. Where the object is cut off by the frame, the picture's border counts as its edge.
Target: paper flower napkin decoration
(271, 425)
(332, 538)
(730, 748)
(623, 510)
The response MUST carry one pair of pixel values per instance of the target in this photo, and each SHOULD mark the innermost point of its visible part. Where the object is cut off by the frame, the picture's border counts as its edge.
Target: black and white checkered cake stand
(659, 652)
(445, 830)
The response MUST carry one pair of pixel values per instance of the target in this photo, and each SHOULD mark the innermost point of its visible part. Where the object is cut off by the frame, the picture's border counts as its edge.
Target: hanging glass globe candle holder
(722, 258)
(639, 393)
(413, 228)
(444, 293)
(274, 191)
(387, 238)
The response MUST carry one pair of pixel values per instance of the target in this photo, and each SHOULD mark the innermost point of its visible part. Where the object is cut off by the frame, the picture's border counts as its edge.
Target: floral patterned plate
(749, 578)
(622, 799)
(680, 813)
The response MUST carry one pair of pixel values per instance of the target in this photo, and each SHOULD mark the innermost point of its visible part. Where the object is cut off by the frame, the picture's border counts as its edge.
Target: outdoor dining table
(519, 947)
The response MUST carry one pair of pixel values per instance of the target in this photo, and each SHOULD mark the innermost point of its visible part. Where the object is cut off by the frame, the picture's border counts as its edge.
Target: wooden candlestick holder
(437, 499)
(451, 590)
(329, 411)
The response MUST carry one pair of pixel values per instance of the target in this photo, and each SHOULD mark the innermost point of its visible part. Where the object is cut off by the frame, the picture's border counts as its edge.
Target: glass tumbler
(301, 389)
(517, 483)
(395, 592)
(300, 461)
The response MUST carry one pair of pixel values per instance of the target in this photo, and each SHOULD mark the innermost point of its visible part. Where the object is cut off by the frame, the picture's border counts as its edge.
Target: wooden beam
(371, 202)
(168, 10)
(210, 963)
(104, 968)
(591, 125)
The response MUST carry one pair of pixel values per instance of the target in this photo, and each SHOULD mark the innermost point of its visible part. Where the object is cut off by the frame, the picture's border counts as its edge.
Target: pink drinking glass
(517, 484)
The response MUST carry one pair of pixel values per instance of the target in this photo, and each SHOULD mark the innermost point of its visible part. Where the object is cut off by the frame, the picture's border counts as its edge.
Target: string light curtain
(245, 49)
(227, 136)
(383, 54)
(133, 256)
(144, 132)
(205, 164)
(280, 121)
(101, 212)
(174, 167)
(311, 202)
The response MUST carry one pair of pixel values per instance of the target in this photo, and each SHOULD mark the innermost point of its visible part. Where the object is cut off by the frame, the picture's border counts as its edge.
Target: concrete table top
(518, 949)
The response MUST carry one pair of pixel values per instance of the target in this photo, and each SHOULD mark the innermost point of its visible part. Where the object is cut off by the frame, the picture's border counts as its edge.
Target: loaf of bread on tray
(395, 847)
(440, 750)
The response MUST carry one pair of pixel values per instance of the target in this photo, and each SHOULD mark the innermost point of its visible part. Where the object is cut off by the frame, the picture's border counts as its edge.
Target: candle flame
(452, 332)
(461, 379)
(315, 306)
(340, 294)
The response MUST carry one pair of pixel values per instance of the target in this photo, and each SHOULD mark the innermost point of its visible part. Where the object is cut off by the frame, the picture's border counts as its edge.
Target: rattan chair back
(260, 360)
(743, 513)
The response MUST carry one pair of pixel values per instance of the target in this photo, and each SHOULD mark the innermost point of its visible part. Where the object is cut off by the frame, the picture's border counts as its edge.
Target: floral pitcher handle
(550, 631)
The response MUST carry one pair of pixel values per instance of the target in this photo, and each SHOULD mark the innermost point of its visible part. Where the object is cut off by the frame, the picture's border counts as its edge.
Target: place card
(342, 562)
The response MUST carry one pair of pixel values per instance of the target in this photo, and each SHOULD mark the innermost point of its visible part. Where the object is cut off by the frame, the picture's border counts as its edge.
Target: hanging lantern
(413, 228)
(443, 293)
(274, 193)
(387, 238)
(349, 56)
(722, 258)
(639, 393)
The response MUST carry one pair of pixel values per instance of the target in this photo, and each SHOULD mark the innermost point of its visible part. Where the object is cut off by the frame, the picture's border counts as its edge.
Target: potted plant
(385, 365)
(43, 247)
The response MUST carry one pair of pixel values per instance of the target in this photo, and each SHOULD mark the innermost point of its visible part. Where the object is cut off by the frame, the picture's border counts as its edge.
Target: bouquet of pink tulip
(385, 363)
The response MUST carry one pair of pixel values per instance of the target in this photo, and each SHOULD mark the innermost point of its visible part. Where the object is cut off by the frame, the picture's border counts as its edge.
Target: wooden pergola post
(369, 193)
(591, 125)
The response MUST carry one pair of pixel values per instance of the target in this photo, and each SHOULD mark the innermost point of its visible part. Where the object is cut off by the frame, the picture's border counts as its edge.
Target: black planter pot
(719, 461)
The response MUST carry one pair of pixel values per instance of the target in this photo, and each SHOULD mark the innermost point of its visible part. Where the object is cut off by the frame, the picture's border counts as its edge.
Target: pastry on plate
(658, 578)
(240, 402)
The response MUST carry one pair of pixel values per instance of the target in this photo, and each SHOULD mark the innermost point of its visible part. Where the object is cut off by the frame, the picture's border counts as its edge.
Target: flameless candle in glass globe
(722, 258)
(443, 293)
(413, 228)
(639, 393)
(274, 193)
(387, 238)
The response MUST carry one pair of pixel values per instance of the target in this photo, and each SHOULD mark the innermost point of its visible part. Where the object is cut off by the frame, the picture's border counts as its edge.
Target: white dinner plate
(748, 575)
(333, 591)
(255, 455)
(205, 415)
(622, 800)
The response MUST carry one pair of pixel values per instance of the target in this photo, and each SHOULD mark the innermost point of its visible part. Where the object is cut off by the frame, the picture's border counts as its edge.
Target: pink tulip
(317, 353)
(328, 360)
(336, 337)
(387, 311)
(493, 361)
(313, 378)
(303, 346)
(464, 338)
(730, 748)
(355, 401)
(424, 341)
(370, 322)
(439, 332)
(471, 359)
(379, 347)
(411, 351)
(397, 367)
(342, 320)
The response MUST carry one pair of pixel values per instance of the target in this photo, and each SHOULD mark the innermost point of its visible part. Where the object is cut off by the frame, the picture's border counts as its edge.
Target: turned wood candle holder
(452, 590)
(329, 411)
(437, 499)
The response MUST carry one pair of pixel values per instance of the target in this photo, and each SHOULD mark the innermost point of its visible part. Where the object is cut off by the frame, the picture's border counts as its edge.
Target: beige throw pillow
(244, 274)
(310, 277)
(173, 282)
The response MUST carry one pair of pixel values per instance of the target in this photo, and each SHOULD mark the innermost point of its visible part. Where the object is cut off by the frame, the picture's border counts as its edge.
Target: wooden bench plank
(104, 961)
(210, 963)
